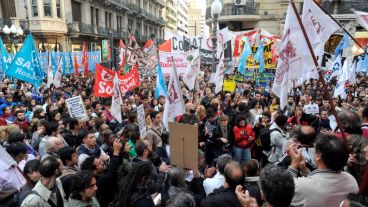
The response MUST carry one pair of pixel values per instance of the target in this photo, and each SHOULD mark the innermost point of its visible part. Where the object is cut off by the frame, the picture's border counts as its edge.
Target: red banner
(104, 81)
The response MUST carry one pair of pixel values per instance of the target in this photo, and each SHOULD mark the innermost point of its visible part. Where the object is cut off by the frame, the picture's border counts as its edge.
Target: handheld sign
(311, 109)
(183, 145)
(76, 108)
(141, 120)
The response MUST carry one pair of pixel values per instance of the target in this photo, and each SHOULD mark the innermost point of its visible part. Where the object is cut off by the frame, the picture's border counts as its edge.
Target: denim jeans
(241, 154)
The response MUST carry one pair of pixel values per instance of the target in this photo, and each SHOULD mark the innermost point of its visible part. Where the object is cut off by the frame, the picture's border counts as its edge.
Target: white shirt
(211, 184)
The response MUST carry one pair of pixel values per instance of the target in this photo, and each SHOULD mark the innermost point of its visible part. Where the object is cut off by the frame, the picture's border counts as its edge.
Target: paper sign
(311, 109)
(229, 86)
(141, 120)
(183, 145)
(76, 108)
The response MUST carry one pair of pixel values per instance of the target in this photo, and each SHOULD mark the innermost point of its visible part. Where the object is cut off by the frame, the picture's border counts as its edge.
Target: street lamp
(216, 8)
(14, 34)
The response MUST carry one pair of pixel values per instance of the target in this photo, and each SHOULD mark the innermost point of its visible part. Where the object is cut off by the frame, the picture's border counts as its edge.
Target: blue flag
(26, 65)
(344, 43)
(161, 89)
(53, 62)
(5, 58)
(71, 66)
(63, 60)
(362, 64)
(259, 57)
(247, 51)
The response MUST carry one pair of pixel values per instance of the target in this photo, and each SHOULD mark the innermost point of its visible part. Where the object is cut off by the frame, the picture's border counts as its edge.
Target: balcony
(231, 12)
(161, 2)
(344, 7)
(92, 30)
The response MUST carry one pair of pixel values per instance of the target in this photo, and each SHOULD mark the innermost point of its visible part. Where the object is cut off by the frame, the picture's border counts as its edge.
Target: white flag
(58, 74)
(116, 101)
(174, 104)
(291, 56)
(318, 25)
(352, 71)
(334, 69)
(219, 76)
(342, 85)
(362, 18)
(192, 72)
(50, 74)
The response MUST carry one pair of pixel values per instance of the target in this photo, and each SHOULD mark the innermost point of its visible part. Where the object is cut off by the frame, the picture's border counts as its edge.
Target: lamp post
(14, 34)
(216, 8)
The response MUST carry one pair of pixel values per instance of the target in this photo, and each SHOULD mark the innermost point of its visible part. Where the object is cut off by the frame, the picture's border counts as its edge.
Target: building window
(58, 9)
(97, 11)
(35, 8)
(76, 11)
(47, 7)
(108, 20)
(119, 22)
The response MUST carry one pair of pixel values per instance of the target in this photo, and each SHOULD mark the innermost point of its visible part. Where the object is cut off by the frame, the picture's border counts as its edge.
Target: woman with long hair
(136, 188)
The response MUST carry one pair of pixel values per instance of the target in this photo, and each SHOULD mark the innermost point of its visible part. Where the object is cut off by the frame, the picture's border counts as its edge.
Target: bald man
(52, 145)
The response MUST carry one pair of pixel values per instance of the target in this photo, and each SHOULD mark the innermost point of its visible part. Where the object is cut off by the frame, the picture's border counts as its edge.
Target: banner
(182, 61)
(103, 82)
(116, 101)
(76, 108)
(141, 120)
(264, 79)
(105, 50)
(129, 81)
(191, 74)
(268, 60)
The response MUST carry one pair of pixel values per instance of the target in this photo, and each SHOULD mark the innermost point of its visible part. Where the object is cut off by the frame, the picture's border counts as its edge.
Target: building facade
(196, 20)
(182, 13)
(170, 16)
(69, 23)
(270, 15)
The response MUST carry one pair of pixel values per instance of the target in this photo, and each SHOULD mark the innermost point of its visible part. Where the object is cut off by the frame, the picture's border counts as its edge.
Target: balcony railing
(345, 7)
(250, 8)
(77, 27)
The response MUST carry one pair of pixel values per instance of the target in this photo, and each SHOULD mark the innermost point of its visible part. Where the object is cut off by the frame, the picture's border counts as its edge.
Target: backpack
(265, 138)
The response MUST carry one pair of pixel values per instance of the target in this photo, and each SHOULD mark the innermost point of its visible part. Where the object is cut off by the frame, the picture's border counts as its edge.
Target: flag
(344, 43)
(76, 66)
(352, 72)
(174, 104)
(219, 76)
(318, 25)
(335, 69)
(63, 61)
(259, 56)
(53, 62)
(59, 73)
(291, 57)
(50, 73)
(116, 101)
(130, 81)
(362, 64)
(26, 65)
(161, 89)
(166, 46)
(247, 51)
(71, 66)
(5, 58)
(104, 84)
(85, 60)
(362, 18)
(342, 85)
(192, 72)
(148, 45)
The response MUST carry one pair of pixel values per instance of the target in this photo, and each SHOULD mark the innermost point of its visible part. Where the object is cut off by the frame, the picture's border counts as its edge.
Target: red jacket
(242, 140)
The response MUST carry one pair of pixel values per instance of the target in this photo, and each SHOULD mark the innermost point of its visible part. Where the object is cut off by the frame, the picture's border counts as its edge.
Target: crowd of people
(251, 152)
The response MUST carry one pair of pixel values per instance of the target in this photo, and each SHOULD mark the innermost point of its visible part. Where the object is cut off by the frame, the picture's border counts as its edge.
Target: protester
(84, 190)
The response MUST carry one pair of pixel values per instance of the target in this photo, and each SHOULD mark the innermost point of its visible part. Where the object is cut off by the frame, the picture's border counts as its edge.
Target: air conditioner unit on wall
(240, 2)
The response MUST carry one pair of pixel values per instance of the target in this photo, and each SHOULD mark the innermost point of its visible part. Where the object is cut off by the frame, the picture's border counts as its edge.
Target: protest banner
(182, 60)
(129, 81)
(229, 86)
(183, 145)
(103, 82)
(141, 120)
(105, 50)
(311, 109)
(76, 108)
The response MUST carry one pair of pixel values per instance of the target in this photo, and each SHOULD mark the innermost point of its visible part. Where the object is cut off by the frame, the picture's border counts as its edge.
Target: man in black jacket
(225, 196)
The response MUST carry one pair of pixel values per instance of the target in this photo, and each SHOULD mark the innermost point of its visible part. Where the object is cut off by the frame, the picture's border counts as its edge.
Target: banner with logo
(182, 61)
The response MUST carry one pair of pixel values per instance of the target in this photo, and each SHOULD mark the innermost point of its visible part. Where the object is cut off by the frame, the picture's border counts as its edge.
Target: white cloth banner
(58, 74)
(342, 85)
(219, 76)
(192, 72)
(174, 104)
(116, 101)
(362, 18)
(291, 56)
(182, 61)
(141, 120)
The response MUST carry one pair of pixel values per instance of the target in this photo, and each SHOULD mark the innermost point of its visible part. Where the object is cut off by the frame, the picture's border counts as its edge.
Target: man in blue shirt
(8, 103)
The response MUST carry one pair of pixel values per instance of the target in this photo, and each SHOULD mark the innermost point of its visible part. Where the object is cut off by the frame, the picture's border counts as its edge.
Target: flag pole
(319, 73)
(338, 23)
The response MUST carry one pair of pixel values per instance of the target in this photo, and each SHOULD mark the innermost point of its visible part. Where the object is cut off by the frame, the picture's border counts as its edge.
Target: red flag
(121, 44)
(129, 81)
(148, 44)
(122, 56)
(85, 60)
(166, 46)
(103, 82)
(76, 66)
